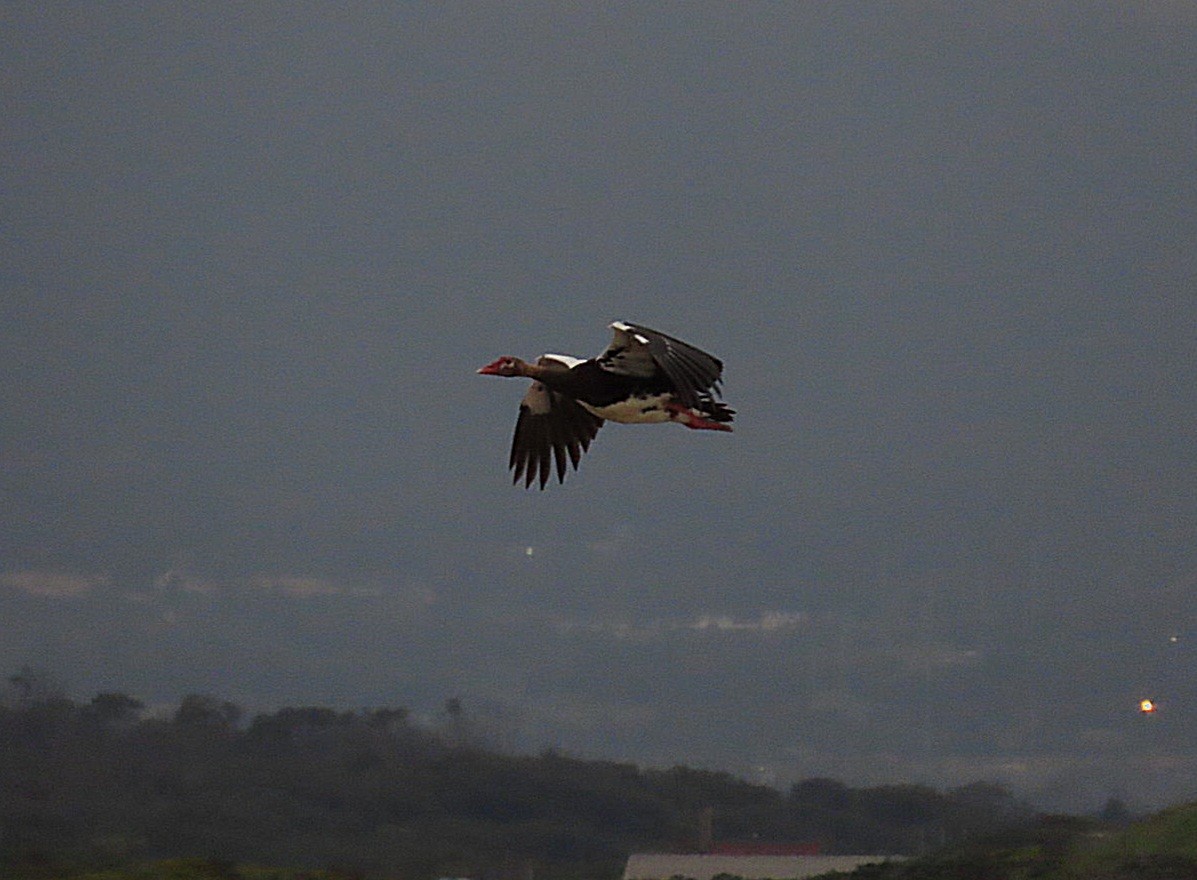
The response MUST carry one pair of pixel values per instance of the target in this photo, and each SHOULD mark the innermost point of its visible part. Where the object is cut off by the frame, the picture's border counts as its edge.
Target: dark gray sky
(252, 255)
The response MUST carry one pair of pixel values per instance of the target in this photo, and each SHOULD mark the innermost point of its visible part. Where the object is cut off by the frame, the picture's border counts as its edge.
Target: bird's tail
(715, 410)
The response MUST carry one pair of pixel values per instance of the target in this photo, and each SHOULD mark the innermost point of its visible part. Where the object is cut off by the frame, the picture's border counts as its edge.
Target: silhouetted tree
(820, 793)
(387, 720)
(1115, 812)
(116, 709)
(203, 711)
(30, 685)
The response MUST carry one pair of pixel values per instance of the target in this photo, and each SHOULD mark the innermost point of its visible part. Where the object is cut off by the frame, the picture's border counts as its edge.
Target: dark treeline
(372, 792)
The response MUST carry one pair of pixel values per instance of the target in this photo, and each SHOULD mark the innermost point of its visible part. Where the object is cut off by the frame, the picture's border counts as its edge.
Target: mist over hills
(374, 791)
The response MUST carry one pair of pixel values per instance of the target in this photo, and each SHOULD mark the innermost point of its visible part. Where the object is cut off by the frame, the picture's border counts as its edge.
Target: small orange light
(1146, 706)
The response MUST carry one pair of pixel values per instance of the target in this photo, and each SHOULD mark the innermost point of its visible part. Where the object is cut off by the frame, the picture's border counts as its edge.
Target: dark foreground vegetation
(96, 785)
(1160, 847)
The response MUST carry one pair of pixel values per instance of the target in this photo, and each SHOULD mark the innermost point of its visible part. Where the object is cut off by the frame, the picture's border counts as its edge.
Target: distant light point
(1147, 707)
(1173, 639)
(528, 551)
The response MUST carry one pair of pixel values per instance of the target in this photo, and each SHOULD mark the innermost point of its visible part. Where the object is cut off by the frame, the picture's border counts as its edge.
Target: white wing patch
(564, 359)
(628, 353)
(537, 399)
(629, 330)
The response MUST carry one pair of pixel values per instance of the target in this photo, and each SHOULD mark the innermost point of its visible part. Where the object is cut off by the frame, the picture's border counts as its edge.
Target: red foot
(691, 419)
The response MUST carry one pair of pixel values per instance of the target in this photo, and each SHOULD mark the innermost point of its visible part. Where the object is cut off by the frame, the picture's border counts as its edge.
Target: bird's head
(504, 366)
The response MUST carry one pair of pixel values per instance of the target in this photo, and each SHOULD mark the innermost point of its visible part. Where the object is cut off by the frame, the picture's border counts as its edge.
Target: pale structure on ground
(662, 866)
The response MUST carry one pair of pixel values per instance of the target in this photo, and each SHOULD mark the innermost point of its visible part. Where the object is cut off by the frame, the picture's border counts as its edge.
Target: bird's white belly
(637, 410)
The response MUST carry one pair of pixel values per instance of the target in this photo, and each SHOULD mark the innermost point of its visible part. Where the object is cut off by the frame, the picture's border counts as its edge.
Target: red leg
(691, 419)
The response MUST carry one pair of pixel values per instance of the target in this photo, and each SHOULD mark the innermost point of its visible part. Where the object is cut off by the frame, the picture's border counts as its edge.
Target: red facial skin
(504, 366)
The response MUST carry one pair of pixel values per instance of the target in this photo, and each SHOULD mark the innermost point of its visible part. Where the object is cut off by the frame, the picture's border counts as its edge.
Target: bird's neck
(555, 376)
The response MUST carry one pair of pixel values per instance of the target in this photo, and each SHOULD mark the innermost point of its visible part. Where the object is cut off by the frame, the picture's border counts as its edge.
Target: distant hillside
(1161, 847)
(371, 793)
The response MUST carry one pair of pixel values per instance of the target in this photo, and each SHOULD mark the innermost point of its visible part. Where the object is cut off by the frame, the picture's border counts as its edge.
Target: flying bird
(643, 377)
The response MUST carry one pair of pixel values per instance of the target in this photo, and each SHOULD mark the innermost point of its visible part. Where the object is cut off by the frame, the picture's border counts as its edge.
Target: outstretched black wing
(639, 351)
(550, 427)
